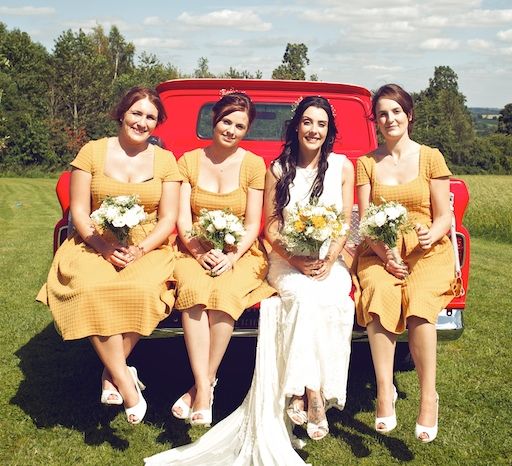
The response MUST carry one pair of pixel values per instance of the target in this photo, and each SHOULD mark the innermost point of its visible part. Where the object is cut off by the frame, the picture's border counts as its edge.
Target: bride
(303, 347)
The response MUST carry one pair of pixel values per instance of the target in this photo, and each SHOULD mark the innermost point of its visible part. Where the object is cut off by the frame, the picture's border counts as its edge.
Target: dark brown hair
(134, 95)
(233, 102)
(399, 95)
(289, 156)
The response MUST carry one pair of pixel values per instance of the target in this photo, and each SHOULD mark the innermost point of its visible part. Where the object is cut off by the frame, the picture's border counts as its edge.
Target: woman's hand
(306, 265)
(324, 269)
(224, 262)
(118, 255)
(424, 236)
(399, 270)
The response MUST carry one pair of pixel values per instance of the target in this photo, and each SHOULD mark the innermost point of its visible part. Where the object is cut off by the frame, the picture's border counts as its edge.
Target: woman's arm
(303, 264)
(167, 216)
(252, 222)
(337, 244)
(80, 206)
(380, 249)
(441, 213)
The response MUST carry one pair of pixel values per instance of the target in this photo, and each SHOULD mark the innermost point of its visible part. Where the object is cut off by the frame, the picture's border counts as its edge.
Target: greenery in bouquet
(383, 222)
(308, 226)
(119, 214)
(220, 228)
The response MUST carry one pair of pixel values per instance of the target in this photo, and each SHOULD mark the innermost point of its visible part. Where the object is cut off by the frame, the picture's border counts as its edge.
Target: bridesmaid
(214, 288)
(393, 296)
(103, 290)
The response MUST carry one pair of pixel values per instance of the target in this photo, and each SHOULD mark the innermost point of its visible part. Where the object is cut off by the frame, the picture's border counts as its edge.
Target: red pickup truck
(188, 103)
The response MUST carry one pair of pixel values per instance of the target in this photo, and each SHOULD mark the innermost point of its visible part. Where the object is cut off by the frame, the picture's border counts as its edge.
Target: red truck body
(188, 125)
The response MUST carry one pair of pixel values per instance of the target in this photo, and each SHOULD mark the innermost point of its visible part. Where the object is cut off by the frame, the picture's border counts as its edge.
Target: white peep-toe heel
(107, 393)
(389, 422)
(430, 431)
(206, 414)
(139, 410)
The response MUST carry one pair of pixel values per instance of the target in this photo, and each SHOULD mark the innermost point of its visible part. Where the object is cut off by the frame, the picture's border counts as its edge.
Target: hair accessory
(231, 90)
(295, 104)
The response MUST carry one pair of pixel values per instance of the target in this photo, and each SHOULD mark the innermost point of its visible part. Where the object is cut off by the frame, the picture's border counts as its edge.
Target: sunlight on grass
(49, 401)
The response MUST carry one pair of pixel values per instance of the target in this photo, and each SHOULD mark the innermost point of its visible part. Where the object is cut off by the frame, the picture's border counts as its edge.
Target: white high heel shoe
(430, 431)
(184, 407)
(139, 410)
(106, 394)
(389, 422)
(206, 414)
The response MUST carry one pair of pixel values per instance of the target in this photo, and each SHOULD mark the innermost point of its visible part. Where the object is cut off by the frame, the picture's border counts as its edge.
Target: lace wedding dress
(304, 341)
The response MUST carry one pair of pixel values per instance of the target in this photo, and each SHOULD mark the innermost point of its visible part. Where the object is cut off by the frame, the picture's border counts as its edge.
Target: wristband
(141, 249)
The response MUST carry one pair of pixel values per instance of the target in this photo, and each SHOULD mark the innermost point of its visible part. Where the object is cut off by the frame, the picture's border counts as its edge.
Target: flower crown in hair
(225, 92)
(295, 104)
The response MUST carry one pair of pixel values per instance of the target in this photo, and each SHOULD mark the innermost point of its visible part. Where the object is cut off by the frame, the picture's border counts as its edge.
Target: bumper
(450, 325)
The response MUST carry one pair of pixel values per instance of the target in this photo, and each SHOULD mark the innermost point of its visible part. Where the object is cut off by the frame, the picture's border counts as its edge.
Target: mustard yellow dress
(243, 285)
(426, 291)
(86, 294)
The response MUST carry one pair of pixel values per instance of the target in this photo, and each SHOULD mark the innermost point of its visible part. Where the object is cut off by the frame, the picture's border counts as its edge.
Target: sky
(361, 42)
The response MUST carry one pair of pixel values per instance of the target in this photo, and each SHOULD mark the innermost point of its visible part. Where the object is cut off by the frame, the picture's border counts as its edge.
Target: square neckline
(202, 151)
(103, 163)
(416, 178)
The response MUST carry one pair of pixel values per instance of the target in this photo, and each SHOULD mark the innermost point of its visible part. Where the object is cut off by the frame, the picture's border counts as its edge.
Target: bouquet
(383, 223)
(220, 228)
(309, 228)
(119, 214)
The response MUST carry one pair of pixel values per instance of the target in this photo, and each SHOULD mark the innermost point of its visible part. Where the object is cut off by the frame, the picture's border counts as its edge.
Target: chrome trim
(450, 325)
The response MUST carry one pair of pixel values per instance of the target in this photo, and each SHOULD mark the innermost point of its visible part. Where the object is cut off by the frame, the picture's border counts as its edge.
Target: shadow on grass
(361, 398)
(61, 387)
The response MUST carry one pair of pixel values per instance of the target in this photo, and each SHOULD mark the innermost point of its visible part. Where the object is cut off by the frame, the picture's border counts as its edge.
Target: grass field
(49, 398)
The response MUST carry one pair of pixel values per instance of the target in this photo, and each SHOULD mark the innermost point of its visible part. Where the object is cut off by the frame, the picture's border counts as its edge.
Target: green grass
(489, 213)
(49, 398)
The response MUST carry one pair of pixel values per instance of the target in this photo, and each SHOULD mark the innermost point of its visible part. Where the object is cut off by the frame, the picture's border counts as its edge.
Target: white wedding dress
(304, 341)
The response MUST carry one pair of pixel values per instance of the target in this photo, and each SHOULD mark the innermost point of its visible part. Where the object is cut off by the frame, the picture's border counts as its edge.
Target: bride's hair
(284, 166)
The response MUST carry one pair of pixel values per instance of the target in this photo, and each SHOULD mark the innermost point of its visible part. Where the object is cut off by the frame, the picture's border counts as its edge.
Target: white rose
(210, 228)
(131, 218)
(118, 222)
(392, 212)
(380, 218)
(229, 239)
(111, 213)
(219, 222)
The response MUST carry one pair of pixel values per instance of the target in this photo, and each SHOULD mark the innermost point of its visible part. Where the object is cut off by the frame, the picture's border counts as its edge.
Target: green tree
(442, 118)
(295, 60)
(505, 120)
(202, 70)
(233, 73)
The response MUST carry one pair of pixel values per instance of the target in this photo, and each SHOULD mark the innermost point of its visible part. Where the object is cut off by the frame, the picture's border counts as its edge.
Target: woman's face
(139, 121)
(312, 129)
(231, 129)
(392, 121)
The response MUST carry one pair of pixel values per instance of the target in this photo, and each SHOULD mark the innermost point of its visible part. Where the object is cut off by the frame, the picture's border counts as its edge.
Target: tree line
(51, 103)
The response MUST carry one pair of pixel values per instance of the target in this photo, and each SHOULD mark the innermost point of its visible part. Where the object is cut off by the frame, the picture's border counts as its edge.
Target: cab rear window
(268, 125)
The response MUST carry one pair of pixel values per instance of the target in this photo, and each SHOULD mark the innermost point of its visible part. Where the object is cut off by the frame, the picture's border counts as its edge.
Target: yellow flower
(318, 221)
(299, 226)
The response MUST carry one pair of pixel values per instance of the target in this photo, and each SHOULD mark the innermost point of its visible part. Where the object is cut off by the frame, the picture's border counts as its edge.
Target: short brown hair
(399, 95)
(233, 102)
(134, 95)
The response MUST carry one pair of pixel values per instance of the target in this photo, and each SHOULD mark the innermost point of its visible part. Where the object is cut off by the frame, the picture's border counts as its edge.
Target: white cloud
(485, 18)
(505, 35)
(243, 20)
(381, 68)
(479, 44)
(439, 43)
(26, 11)
(158, 42)
(153, 21)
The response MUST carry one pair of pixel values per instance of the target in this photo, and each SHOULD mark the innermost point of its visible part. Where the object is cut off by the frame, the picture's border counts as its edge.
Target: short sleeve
(363, 171)
(184, 168)
(256, 172)
(170, 170)
(84, 158)
(438, 167)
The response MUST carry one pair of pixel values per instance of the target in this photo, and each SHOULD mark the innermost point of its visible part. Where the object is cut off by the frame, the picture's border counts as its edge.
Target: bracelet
(141, 249)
